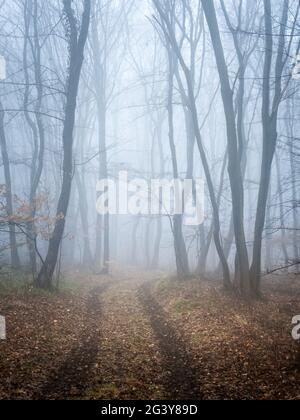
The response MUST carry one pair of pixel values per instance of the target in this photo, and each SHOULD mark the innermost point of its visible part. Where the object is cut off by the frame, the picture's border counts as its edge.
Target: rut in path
(73, 377)
(181, 377)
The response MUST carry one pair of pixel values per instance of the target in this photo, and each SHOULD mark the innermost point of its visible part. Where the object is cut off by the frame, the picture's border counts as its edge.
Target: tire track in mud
(180, 375)
(74, 376)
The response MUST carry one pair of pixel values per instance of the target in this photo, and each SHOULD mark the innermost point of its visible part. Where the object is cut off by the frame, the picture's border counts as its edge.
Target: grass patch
(19, 284)
(186, 305)
(167, 284)
(173, 284)
(69, 284)
(12, 281)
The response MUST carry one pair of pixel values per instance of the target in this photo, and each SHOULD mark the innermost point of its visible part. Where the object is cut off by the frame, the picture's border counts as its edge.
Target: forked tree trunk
(76, 46)
(234, 167)
(31, 16)
(170, 37)
(269, 121)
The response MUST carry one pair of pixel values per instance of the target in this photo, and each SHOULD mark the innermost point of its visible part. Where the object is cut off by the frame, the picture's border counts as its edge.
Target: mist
(150, 158)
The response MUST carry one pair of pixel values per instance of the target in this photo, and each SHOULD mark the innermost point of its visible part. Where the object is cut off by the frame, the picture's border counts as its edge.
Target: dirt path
(128, 349)
(181, 377)
(134, 336)
(74, 376)
(129, 361)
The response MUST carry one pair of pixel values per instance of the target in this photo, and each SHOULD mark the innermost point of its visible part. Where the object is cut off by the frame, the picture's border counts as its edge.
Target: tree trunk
(268, 261)
(83, 206)
(103, 234)
(171, 38)
(15, 260)
(268, 153)
(269, 121)
(281, 209)
(234, 167)
(134, 258)
(181, 256)
(76, 47)
(294, 190)
(155, 259)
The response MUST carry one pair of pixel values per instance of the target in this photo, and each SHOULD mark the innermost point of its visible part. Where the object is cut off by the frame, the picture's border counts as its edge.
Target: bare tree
(234, 166)
(76, 41)
(179, 244)
(36, 125)
(15, 260)
(166, 26)
(270, 110)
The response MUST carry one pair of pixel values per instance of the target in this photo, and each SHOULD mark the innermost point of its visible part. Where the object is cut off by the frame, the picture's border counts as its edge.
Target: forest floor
(146, 336)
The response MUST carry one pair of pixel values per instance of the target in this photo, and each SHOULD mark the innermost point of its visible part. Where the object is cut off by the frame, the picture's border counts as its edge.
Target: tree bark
(76, 46)
(102, 233)
(281, 209)
(234, 167)
(170, 37)
(15, 259)
(83, 207)
(181, 256)
(269, 121)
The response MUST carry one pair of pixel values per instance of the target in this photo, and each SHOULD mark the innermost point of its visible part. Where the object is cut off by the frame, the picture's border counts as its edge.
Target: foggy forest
(149, 200)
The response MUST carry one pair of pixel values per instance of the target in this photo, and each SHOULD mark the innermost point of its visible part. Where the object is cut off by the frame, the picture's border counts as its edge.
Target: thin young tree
(234, 161)
(270, 112)
(166, 14)
(15, 259)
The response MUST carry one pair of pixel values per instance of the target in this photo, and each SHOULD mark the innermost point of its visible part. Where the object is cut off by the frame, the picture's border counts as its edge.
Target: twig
(282, 268)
